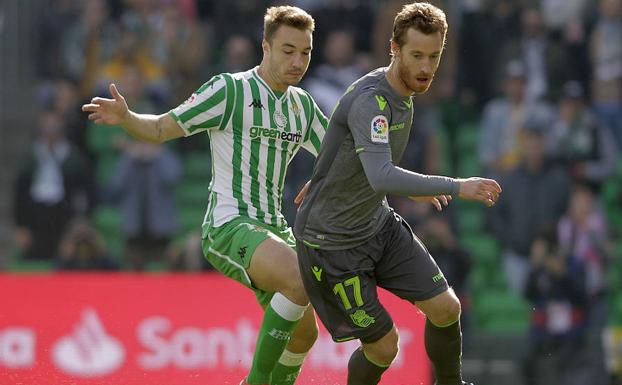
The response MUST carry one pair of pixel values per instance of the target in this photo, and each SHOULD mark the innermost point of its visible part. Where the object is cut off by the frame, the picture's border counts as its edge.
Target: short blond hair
(285, 15)
(424, 17)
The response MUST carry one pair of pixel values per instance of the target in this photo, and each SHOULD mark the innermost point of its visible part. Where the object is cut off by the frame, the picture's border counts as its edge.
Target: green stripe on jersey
(231, 97)
(206, 105)
(237, 127)
(271, 158)
(256, 152)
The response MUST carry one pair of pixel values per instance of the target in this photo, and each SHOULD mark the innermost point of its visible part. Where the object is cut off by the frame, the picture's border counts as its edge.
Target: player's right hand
(480, 189)
(108, 111)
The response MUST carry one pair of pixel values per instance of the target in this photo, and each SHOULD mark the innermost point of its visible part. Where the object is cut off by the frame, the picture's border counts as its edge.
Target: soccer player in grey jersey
(257, 121)
(349, 240)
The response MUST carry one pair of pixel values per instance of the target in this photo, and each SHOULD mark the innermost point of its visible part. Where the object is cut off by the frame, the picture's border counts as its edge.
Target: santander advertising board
(161, 329)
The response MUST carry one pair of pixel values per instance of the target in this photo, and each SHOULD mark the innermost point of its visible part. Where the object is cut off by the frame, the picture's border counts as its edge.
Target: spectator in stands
(66, 100)
(580, 141)
(502, 119)
(175, 30)
(88, 43)
(83, 248)
(133, 53)
(51, 188)
(143, 183)
(330, 79)
(584, 238)
(543, 57)
(556, 289)
(187, 254)
(535, 196)
(606, 60)
(557, 14)
(584, 241)
(238, 54)
(575, 43)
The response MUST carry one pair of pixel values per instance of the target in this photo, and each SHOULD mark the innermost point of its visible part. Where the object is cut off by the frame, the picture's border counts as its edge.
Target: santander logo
(88, 351)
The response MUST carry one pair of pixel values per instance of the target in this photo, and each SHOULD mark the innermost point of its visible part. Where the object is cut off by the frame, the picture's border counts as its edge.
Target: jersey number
(339, 289)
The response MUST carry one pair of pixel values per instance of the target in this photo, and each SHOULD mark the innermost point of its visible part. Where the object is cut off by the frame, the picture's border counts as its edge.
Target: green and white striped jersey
(254, 134)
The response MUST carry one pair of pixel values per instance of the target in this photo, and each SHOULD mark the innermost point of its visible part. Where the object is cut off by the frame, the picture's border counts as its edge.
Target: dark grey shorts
(342, 283)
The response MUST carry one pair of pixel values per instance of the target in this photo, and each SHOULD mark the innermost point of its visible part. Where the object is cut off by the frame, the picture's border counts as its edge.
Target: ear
(265, 46)
(395, 49)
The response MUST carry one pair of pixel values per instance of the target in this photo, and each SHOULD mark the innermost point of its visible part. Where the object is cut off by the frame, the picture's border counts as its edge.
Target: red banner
(161, 329)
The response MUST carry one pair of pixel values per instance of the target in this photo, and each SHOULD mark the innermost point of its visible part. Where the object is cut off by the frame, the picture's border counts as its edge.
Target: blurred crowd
(529, 92)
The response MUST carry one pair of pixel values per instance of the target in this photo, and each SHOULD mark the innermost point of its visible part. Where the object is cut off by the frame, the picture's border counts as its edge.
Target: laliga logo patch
(380, 129)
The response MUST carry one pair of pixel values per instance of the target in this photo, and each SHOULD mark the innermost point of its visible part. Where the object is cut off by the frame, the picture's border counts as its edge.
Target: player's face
(288, 55)
(418, 59)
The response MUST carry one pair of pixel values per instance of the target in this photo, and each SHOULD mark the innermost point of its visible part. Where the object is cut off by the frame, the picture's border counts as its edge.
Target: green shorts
(230, 247)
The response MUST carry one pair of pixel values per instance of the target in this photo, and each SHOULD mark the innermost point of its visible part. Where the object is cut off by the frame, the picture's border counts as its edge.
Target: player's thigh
(406, 268)
(274, 267)
(230, 249)
(342, 289)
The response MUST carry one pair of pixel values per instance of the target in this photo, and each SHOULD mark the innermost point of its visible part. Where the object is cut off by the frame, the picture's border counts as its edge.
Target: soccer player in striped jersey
(256, 121)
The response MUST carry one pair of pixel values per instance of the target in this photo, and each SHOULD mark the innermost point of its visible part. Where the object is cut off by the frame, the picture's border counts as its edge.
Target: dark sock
(361, 371)
(444, 348)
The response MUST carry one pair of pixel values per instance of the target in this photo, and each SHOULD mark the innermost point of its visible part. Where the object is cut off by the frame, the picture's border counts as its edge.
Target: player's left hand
(437, 201)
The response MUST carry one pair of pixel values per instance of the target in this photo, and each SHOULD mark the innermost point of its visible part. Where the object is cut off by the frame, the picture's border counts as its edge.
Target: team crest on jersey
(191, 99)
(380, 129)
(279, 119)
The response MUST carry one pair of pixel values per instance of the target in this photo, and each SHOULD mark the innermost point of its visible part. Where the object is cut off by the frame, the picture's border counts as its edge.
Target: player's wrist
(457, 187)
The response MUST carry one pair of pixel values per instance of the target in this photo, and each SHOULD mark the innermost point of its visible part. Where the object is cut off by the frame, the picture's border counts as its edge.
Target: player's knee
(447, 311)
(383, 351)
(306, 336)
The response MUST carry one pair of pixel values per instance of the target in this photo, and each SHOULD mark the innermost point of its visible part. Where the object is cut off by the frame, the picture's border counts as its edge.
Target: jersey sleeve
(368, 121)
(207, 108)
(316, 129)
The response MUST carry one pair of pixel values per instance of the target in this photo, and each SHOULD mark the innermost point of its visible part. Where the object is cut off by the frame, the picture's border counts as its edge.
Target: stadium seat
(484, 248)
(471, 218)
(197, 165)
(191, 193)
(499, 310)
(107, 219)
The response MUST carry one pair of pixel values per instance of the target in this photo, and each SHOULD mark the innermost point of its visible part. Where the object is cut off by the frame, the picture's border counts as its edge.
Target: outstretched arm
(153, 128)
(385, 177)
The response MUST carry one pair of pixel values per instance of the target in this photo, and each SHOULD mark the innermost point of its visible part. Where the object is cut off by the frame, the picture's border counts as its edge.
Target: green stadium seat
(498, 310)
(197, 165)
(468, 138)
(106, 164)
(616, 308)
(21, 265)
(191, 218)
(444, 150)
(471, 219)
(484, 248)
(468, 164)
(107, 220)
(191, 193)
(100, 138)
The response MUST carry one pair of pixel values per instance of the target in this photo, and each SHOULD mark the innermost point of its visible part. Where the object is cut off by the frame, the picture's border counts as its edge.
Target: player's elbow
(378, 185)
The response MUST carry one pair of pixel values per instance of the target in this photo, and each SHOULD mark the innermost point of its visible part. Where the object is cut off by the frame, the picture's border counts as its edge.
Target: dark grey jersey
(346, 202)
